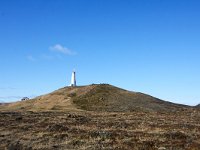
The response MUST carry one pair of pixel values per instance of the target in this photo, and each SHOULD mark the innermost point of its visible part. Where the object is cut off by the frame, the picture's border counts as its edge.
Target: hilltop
(95, 97)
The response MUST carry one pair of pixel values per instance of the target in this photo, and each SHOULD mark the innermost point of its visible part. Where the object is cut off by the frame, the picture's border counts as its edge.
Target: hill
(197, 106)
(105, 97)
(98, 117)
(95, 97)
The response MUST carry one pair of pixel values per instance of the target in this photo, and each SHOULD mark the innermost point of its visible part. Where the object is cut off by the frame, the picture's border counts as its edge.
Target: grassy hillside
(105, 97)
(197, 106)
(98, 117)
(96, 97)
(59, 100)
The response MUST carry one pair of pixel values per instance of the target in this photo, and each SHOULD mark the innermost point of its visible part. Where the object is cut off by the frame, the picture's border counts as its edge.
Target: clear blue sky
(150, 46)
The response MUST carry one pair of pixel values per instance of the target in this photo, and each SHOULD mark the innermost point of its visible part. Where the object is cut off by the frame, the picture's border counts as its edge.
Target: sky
(145, 46)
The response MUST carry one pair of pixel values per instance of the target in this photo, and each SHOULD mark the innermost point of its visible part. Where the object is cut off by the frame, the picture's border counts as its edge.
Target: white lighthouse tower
(73, 79)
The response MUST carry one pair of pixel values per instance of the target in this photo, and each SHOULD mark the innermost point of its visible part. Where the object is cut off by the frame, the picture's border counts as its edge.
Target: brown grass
(102, 97)
(59, 100)
(98, 117)
(92, 130)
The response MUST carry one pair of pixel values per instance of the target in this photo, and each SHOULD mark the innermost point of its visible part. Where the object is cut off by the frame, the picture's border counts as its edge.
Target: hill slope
(105, 97)
(197, 106)
(100, 97)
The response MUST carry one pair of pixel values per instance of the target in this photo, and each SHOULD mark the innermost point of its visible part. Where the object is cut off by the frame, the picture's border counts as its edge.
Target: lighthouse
(73, 79)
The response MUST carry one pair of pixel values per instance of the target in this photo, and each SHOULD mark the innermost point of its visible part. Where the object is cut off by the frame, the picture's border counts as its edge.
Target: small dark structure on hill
(24, 99)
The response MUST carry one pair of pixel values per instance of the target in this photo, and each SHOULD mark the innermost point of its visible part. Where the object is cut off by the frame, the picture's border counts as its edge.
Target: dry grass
(58, 100)
(92, 130)
(102, 97)
(118, 119)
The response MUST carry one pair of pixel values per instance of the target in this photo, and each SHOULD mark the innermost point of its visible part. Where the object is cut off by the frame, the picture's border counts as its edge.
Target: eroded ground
(93, 130)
